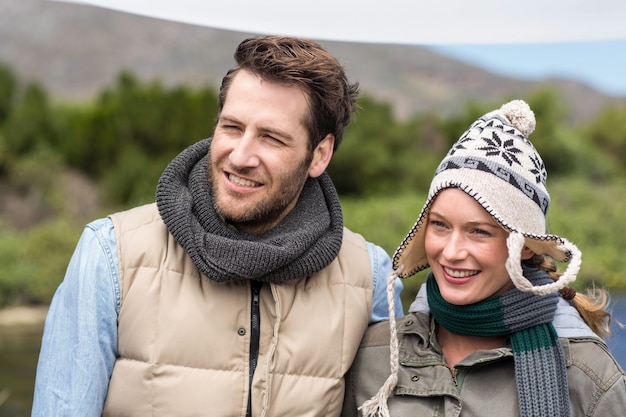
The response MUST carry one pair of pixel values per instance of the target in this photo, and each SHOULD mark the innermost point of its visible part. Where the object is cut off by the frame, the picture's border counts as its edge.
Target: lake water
(617, 343)
(19, 348)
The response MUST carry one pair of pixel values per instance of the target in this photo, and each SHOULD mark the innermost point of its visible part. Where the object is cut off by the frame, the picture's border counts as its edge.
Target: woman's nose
(455, 247)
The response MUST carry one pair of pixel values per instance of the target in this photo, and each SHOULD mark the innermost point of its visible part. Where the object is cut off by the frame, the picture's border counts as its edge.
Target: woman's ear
(526, 253)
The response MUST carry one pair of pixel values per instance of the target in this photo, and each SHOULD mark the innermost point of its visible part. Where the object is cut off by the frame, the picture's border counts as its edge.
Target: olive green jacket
(481, 385)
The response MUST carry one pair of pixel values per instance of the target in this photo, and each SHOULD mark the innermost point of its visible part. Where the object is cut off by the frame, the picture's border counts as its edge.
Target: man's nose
(245, 152)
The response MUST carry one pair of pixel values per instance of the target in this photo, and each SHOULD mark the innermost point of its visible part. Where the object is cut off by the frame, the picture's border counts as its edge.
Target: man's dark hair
(307, 65)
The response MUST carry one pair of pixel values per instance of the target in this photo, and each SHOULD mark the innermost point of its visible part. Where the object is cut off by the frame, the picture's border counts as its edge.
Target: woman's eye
(482, 232)
(437, 223)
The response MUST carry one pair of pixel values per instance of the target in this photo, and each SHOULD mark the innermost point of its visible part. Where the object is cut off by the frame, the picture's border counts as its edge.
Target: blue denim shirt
(79, 344)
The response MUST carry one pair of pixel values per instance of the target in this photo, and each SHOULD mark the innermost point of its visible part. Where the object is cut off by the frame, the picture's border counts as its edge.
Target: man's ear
(322, 155)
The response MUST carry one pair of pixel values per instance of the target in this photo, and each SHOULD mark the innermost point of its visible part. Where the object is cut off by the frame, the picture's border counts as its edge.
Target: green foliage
(591, 215)
(553, 140)
(125, 138)
(607, 134)
(33, 171)
(133, 163)
(380, 155)
(34, 262)
(29, 124)
(145, 118)
(386, 221)
(8, 85)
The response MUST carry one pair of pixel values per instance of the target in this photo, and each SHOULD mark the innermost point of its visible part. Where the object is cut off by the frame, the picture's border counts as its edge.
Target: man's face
(259, 156)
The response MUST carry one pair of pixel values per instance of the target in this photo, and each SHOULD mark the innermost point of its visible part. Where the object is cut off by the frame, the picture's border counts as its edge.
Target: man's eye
(273, 139)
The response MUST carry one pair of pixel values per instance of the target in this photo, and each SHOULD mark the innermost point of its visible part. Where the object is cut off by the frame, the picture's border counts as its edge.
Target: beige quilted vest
(184, 339)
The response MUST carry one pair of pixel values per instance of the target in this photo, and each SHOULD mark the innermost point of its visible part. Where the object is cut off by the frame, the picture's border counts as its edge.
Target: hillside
(74, 51)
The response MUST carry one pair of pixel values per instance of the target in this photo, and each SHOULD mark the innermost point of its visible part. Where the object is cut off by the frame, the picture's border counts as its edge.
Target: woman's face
(466, 249)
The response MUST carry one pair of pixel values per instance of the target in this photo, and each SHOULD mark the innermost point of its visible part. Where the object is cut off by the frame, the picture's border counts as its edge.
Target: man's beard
(272, 206)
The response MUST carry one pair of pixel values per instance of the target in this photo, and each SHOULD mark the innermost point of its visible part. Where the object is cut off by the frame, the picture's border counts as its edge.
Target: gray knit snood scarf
(305, 242)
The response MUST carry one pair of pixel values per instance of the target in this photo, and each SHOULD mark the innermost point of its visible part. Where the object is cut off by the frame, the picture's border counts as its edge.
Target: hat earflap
(515, 242)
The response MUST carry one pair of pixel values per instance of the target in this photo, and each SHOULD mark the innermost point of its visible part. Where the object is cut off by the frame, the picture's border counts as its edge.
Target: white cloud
(399, 21)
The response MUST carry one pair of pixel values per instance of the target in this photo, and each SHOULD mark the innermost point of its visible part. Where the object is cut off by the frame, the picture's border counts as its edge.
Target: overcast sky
(580, 39)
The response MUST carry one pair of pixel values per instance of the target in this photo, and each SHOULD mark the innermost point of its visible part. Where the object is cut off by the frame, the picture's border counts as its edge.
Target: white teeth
(459, 274)
(241, 181)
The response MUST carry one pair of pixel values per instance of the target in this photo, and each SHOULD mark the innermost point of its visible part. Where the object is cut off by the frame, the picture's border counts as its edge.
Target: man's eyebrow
(272, 131)
(227, 118)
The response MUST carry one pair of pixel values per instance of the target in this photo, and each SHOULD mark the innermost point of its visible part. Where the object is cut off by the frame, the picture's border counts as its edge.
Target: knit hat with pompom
(495, 163)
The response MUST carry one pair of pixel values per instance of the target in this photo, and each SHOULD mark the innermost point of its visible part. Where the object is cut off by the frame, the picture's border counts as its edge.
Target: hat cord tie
(515, 242)
(377, 405)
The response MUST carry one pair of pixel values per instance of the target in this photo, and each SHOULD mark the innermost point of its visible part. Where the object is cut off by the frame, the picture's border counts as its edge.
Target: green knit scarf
(540, 371)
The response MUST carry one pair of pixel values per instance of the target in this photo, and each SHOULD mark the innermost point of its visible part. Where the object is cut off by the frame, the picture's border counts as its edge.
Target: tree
(8, 84)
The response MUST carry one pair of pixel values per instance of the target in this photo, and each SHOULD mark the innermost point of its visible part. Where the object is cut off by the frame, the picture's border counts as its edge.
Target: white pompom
(520, 115)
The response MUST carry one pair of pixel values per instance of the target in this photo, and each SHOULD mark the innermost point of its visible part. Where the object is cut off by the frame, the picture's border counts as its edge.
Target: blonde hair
(592, 306)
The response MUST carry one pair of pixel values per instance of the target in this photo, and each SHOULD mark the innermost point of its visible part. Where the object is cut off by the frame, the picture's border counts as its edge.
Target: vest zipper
(255, 335)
